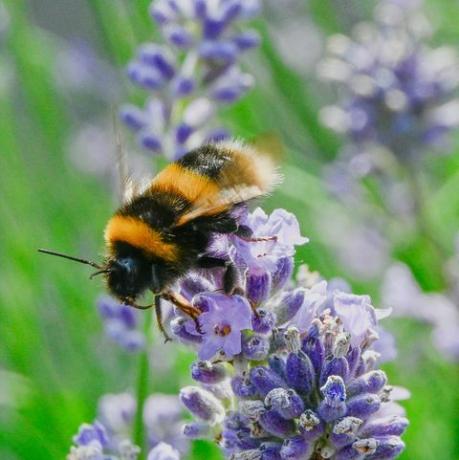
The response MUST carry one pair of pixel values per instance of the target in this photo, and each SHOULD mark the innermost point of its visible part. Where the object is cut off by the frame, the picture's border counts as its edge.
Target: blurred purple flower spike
(199, 62)
(398, 92)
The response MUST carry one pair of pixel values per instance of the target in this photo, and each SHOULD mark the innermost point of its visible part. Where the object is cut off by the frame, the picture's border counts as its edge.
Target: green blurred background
(54, 359)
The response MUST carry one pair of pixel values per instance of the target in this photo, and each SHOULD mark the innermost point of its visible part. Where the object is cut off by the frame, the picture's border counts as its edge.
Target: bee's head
(129, 276)
(128, 272)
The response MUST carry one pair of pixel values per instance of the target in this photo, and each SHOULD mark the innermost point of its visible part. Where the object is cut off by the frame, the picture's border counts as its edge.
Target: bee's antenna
(75, 259)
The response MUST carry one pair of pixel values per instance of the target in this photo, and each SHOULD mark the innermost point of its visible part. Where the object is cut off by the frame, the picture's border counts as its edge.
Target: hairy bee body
(163, 232)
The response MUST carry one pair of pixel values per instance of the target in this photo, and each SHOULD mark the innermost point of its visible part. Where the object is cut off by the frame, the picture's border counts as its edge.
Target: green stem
(142, 384)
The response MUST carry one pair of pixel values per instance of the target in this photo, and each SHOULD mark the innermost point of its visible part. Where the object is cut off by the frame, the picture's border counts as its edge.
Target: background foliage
(54, 359)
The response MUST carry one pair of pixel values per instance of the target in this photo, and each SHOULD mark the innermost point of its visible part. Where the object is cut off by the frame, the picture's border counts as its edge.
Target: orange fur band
(140, 235)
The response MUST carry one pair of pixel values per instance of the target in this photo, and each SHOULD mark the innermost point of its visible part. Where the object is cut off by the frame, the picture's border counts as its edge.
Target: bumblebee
(164, 231)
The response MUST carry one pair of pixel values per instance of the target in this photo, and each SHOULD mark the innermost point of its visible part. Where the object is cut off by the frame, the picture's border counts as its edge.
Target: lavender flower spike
(300, 381)
(398, 92)
(191, 74)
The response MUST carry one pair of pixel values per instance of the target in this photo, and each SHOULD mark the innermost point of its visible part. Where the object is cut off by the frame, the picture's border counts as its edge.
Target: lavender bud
(225, 52)
(296, 448)
(263, 321)
(286, 402)
(345, 431)
(342, 344)
(362, 406)
(289, 305)
(183, 86)
(162, 13)
(255, 347)
(299, 372)
(90, 433)
(149, 141)
(337, 366)
(133, 117)
(275, 424)
(183, 132)
(196, 430)
(292, 339)
(353, 358)
(207, 372)
(371, 382)
(387, 426)
(278, 343)
(265, 380)
(242, 387)
(178, 36)
(310, 425)
(333, 405)
(258, 286)
(370, 358)
(202, 404)
(277, 364)
(388, 447)
(144, 77)
(247, 40)
(270, 451)
(314, 349)
(158, 57)
(283, 272)
(252, 409)
(365, 446)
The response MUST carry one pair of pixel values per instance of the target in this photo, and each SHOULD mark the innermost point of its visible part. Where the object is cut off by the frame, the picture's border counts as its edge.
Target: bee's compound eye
(126, 264)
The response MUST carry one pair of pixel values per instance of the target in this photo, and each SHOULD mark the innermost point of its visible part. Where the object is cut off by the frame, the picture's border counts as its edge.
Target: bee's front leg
(183, 305)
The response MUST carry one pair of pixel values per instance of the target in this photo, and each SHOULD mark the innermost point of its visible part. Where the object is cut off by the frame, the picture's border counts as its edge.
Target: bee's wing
(224, 200)
(128, 187)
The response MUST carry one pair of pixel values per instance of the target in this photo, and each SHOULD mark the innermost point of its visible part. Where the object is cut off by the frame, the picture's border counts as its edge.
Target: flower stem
(142, 384)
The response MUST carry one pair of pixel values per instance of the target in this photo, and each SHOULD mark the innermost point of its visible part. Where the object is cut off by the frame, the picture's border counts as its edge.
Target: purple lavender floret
(191, 74)
(121, 324)
(302, 379)
(398, 93)
(109, 436)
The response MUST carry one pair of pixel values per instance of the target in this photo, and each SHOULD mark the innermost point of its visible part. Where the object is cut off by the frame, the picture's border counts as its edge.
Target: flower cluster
(397, 92)
(287, 370)
(109, 437)
(189, 76)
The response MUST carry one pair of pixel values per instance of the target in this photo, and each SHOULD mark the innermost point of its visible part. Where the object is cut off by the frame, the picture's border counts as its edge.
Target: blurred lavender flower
(401, 292)
(398, 92)
(121, 324)
(92, 442)
(109, 436)
(79, 70)
(193, 73)
(302, 380)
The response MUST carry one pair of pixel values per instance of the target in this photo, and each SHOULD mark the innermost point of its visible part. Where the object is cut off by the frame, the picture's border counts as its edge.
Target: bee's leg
(245, 233)
(231, 281)
(182, 304)
(159, 318)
